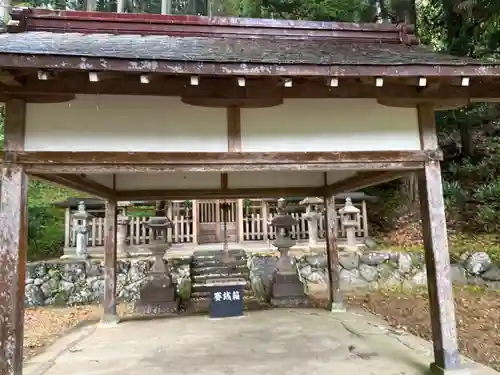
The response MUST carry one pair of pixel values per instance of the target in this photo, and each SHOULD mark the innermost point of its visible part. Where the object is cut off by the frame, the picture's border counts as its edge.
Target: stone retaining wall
(79, 282)
(375, 270)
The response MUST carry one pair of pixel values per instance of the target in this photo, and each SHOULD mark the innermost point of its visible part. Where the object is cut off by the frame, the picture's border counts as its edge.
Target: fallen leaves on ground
(477, 314)
(44, 325)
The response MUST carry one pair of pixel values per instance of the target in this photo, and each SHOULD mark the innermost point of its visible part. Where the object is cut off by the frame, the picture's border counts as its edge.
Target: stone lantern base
(159, 294)
(288, 291)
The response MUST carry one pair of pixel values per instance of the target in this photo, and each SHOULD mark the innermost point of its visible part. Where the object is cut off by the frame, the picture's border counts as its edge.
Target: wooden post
(110, 314)
(239, 218)
(67, 225)
(437, 257)
(336, 298)
(13, 243)
(364, 212)
(196, 220)
(265, 218)
(172, 233)
(13, 252)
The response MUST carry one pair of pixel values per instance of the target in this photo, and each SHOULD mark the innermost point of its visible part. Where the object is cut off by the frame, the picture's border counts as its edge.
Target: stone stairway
(208, 267)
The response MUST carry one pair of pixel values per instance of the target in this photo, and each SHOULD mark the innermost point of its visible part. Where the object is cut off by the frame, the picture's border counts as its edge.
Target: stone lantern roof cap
(349, 208)
(159, 222)
(283, 221)
(311, 200)
(82, 212)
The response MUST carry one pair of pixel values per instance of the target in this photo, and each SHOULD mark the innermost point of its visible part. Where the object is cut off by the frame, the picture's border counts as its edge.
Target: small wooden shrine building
(131, 107)
(199, 222)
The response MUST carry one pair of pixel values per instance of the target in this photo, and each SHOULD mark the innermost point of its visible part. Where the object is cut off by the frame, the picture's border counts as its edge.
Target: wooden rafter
(362, 180)
(78, 183)
(126, 195)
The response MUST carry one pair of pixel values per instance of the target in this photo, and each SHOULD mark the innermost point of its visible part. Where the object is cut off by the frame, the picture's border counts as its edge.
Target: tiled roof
(224, 50)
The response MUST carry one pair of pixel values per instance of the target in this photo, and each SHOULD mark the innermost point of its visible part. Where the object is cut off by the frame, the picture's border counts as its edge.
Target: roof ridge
(30, 19)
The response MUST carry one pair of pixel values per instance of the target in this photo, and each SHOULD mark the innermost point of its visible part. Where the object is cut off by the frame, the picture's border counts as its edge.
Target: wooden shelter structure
(128, 106)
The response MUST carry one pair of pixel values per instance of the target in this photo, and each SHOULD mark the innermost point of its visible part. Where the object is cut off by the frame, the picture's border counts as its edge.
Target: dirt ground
(477, 312)
(478, 317)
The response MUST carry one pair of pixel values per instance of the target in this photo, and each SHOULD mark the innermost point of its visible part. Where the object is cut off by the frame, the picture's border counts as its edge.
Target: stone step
(219, 269)
(218, 263)
(200, 278)
(200, 254)
(205, 289)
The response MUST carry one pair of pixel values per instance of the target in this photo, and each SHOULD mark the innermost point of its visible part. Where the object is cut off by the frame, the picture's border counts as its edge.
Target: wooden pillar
(13, 251)
(172, 233)
(364, 212)
(336, 299)
(13, 243)
(109, 307)
(265, 218)
(196, 220)
(437, 257)
(67, 226)
(239, 218)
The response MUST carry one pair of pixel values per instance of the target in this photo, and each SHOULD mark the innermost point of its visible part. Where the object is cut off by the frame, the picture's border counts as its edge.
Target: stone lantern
(159, 294)
(81, 224)
(122, 222)
(312, 215)
(287, 288)
(350, 218)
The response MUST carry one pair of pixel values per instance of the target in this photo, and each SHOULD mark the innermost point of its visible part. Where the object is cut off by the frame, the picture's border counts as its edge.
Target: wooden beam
(437, 257)
(15, 118)
(117, 64)
(126, 195)
(8, 79)
(221, 91)
(362, 180)
(336, 298)
(13, 253)
(78, 183)
(224, 181)
(113, 162)
(233, 129)
(110, 314)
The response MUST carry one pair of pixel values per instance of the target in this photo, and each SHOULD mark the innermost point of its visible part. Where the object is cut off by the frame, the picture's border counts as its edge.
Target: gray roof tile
(223, 50)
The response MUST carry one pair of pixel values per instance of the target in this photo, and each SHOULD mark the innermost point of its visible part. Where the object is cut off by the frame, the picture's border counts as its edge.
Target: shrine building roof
(201, 45)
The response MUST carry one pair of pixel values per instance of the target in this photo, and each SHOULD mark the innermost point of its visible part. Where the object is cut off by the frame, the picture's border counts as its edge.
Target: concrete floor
(273, 342)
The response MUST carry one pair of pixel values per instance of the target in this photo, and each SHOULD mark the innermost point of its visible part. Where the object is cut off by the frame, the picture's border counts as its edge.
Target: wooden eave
(68, 72)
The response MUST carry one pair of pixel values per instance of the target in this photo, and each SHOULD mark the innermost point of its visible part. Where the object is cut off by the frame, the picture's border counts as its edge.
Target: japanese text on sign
(227, 296)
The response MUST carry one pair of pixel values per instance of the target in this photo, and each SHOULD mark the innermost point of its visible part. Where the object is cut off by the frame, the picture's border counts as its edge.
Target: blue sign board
(226, 301)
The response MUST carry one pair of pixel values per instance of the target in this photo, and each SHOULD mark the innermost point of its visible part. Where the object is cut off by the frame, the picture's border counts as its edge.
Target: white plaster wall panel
(336, 176)
(168, 180)
(329, 125)
(125, 123)
(274, 179)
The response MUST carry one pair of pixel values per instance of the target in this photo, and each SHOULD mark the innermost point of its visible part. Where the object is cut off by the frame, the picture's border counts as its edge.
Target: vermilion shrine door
(211, 224)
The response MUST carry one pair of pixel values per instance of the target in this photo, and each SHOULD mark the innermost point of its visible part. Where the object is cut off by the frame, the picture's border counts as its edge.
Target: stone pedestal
(159, 295)
(81, 227)
(349, 216)
(121, 236)
(313, 216)
(287, 288)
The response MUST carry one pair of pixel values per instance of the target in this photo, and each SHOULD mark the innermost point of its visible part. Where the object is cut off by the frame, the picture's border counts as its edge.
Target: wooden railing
(255, 227)
(138, 234)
